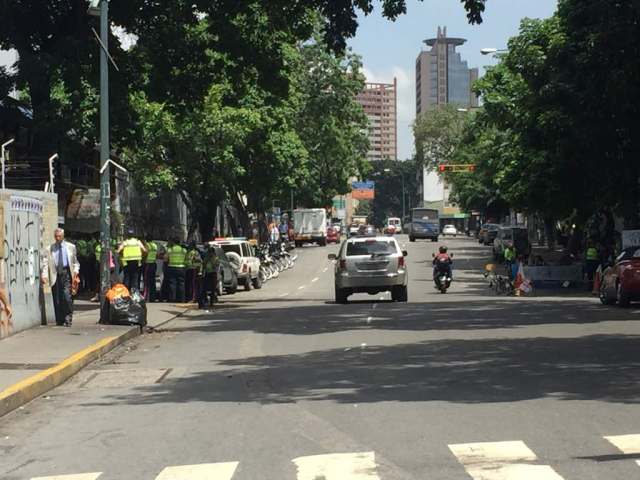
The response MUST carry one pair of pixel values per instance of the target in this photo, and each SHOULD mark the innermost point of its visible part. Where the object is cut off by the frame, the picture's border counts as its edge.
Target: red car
(333, 235)
(621, 282)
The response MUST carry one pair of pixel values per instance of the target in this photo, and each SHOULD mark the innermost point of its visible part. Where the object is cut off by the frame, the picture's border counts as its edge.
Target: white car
(242, 256)
(450, 230)
(370, 264)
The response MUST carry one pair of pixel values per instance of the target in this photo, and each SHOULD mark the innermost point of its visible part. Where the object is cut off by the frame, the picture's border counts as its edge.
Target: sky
(390, 49)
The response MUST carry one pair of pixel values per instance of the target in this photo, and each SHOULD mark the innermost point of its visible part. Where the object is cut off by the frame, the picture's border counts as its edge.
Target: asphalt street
(282, 383)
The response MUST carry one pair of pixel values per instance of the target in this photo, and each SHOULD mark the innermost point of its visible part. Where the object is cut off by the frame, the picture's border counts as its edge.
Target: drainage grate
(126, 378)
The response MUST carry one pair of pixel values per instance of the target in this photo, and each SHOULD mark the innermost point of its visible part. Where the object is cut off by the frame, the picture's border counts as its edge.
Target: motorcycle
(442, 277)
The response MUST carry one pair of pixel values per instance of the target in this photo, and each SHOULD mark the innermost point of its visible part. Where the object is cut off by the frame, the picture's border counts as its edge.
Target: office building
(380, 103)
(442, 76)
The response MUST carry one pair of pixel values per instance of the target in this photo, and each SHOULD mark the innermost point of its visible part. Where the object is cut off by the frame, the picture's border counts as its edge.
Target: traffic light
(442, 168)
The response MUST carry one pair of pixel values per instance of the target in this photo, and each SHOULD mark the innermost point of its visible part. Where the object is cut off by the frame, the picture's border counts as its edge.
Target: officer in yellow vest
(132, 250)
(176, 257)
(592, 260)
(150, 268)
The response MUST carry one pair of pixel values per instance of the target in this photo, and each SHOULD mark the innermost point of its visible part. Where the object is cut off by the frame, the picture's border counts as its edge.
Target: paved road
(282, 383)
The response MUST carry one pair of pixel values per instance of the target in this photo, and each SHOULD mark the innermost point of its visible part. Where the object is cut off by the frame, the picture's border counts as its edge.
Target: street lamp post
(2, 157)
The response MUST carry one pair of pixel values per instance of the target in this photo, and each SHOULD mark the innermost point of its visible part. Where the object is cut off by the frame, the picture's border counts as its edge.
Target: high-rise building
(442, 76)
(380, 104)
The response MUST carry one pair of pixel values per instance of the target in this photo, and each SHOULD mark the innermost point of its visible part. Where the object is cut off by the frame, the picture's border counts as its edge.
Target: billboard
(363, 190)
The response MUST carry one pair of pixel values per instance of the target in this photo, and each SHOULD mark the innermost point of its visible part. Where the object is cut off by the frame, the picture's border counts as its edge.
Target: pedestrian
(176, 255)
(131, 252)
(60, 268)
(191, 263)
(509, 257)
(592, 260)
(150, 270)
(82, 247)
(211, 268)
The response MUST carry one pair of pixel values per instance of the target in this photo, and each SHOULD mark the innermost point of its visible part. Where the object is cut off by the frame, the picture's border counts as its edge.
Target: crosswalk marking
(337, 466)
(501, 461)
(78, 476)
(627, 444)
(205, 471)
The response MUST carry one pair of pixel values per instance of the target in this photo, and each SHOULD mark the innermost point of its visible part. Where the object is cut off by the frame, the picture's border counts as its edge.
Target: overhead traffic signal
(442, 168)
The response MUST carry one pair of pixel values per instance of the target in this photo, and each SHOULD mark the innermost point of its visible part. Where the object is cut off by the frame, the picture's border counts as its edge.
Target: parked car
(372, 265)
(333, 235)
(517, 237)
(228, 281)
(489, 234)
(621, 282)
(241, 254)
(450, 230)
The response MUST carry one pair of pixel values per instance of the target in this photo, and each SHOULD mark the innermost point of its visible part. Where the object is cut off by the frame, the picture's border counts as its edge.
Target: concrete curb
(26, 390)
(30, 388)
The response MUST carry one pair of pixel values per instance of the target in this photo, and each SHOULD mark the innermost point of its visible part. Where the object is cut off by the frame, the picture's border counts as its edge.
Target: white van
(396, 223)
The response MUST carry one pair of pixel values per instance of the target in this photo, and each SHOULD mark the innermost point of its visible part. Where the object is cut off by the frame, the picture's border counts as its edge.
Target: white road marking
(205, 471)
(337, 466)
(302, 287)
(325, 269)
(283, 295)
(79, 476)
(501, 461)
(374, 306)
(627, 444)
(315, 280)
(369, 319)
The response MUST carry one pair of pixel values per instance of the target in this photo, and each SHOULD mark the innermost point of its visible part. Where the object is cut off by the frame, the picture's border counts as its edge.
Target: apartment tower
(380, 104)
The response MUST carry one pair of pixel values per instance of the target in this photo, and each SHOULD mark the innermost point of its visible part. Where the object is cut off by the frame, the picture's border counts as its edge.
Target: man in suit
(61, 268)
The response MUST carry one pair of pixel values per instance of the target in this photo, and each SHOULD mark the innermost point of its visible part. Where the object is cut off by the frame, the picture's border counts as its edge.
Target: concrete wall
(28, 221)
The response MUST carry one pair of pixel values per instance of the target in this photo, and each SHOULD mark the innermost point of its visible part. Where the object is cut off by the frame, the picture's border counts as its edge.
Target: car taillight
(401, 262)
(343, 264)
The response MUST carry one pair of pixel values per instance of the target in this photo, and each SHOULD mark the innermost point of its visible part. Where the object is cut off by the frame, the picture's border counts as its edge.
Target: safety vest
(509, 254)
(177, 256)
(193, 259)
(132, 251)
(98, 251)
(211, 264)
(152, 252)
(592, 253)
(83, 248)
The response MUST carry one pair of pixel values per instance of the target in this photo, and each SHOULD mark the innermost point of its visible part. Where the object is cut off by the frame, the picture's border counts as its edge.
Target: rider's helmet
(443, 249)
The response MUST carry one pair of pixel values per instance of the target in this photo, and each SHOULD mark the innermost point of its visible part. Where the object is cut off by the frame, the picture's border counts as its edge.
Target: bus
(425, 223)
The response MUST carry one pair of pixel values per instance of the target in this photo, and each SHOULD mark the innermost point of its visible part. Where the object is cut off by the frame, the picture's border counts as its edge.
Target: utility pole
(105, 189)
(403, 204)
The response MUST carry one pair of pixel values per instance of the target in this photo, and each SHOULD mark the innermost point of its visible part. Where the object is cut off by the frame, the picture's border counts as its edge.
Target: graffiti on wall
(22, 231)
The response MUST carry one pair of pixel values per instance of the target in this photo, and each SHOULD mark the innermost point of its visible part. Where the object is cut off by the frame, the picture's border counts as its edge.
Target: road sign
(456, 168)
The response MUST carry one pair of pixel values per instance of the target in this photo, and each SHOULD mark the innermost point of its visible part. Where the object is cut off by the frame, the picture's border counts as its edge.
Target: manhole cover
(127, 378)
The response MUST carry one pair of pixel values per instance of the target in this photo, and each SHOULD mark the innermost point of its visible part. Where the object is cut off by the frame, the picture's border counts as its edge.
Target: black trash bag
(126, 311)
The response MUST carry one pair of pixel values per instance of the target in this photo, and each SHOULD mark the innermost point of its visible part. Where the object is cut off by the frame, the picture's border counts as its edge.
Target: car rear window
(231, 248)
(370, 247)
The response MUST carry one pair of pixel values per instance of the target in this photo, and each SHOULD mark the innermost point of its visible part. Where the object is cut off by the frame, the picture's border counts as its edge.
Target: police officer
(177, 256)
(210, 281)
(509, 258)
(191, 263)
(132, 251)
(150, 267)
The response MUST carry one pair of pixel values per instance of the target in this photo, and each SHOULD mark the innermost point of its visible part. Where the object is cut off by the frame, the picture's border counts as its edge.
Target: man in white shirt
(61, 268)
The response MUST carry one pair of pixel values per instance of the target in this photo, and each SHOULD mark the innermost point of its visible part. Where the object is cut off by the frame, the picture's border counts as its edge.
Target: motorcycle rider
(442, 262)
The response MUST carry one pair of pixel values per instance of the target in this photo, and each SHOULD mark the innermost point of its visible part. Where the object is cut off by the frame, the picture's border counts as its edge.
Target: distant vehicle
(389, 230)
(450, 230)
(489, 233)
(241, 254)
(371, 265)
(621, 281)
(507, 236)
(337, 226)
(333, 235)
(310, 226)
(425, 223)
(396, 223)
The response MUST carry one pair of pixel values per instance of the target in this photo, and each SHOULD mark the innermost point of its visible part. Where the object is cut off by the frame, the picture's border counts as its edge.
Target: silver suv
(370, 264)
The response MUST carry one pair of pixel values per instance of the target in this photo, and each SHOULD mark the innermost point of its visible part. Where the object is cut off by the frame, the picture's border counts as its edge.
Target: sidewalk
(34, 361)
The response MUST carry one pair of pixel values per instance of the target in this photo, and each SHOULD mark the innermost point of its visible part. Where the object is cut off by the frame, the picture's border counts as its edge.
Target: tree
(436, 134)
(389, 176)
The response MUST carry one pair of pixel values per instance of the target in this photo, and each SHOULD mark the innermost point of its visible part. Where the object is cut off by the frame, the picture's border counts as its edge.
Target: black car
(228, 280)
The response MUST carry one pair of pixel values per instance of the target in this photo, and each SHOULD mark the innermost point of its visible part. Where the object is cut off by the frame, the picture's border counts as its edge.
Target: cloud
(406, 104)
